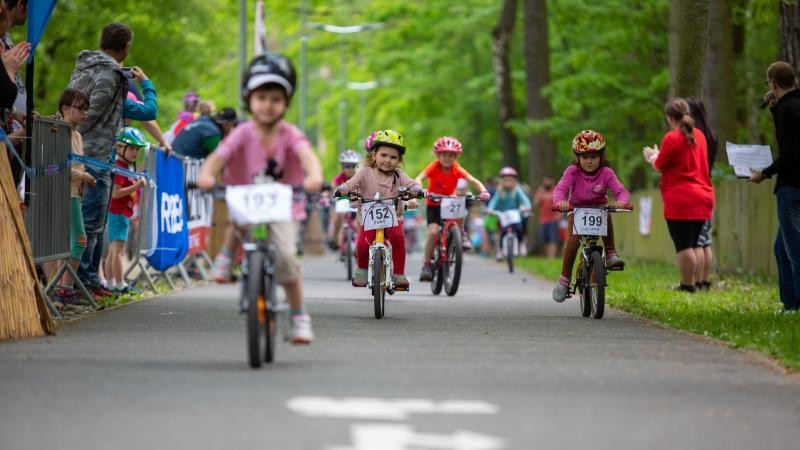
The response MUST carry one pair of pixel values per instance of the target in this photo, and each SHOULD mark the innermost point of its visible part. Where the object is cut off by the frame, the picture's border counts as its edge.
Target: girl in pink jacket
(586, 183)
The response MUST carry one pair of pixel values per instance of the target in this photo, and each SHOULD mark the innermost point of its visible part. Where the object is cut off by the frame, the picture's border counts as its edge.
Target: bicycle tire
(583, 291)
(256, 307)
(438, 273)
(597, 282)
(271, 313)
(455, 255)
(348, 257)
(378, 291)
(510, 241)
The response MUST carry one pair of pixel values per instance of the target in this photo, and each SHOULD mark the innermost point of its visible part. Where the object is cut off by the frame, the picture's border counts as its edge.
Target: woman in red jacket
(686, 188)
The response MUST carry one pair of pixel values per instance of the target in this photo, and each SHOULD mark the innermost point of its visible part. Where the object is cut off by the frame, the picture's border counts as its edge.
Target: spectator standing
(686, 188)
(14, 13)
(98, 73)
(206, 108)
(548, 219)
(784, 100)
(202, 136)
(705, 257)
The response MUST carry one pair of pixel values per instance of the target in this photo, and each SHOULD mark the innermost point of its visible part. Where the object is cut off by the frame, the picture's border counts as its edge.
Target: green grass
(741, 310)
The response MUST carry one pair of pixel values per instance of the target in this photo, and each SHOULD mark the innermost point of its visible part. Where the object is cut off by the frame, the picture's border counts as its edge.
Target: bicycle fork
(374, 249)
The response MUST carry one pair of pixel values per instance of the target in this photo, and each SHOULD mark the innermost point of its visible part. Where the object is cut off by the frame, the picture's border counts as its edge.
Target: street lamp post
(361, 87)
(341, 31)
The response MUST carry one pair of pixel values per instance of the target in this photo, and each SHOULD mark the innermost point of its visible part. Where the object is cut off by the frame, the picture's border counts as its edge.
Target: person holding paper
(686, 188)
(784, 101)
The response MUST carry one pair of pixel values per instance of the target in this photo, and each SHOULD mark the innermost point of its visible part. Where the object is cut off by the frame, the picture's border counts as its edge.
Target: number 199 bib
(590, 222)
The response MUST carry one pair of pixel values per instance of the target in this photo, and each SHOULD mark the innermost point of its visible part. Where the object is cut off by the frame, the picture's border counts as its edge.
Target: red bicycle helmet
(588, 141)
(508, 172)
(447, 144)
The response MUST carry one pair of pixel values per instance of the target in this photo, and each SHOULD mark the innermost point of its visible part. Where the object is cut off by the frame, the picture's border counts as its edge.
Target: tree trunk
(790, 33)
(692, 40)
(672, 37)
(720, 74)
(541, 151)
(501, 40)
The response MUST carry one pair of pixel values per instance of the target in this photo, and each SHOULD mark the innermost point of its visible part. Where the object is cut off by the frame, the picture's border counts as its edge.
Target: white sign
(590, 222)
(509, 217)
(645, 215)
(383, 409)
(743, 157)
(259, 203)
(199, 204)
(401, 437)
(377, 215)
(343, 206)
(454, 207)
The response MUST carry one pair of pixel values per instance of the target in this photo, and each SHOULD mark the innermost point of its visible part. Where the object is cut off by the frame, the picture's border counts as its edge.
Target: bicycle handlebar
(218, 190)
(403, 194)
(626, 208)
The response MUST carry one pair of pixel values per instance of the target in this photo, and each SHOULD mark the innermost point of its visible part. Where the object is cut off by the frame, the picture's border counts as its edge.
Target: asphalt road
(497, 366)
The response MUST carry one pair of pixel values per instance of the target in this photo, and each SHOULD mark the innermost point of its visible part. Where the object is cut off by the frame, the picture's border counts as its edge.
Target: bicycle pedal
(401, 289)
(616, 269)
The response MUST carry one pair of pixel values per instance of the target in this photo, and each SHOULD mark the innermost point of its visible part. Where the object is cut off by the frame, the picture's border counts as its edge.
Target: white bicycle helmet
(349, 157)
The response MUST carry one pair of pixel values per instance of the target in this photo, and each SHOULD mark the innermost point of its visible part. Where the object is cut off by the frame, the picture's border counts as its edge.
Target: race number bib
(510, 217)
(259, 203)
(454, 208)
(343, 206)
(378, 215)
(590, 222)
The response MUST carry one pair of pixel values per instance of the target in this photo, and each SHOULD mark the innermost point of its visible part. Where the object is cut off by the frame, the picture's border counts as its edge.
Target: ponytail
(678, 109)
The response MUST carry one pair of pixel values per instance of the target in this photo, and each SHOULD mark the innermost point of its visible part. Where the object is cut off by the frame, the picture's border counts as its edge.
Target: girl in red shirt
(443, 175)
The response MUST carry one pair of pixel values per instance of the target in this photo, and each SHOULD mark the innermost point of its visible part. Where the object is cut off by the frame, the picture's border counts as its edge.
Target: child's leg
(430, 243)
(608, 241)
(118, 249)
(363, 241)
(287, 274)
(77, 243)
(570, 252)
(396, 235)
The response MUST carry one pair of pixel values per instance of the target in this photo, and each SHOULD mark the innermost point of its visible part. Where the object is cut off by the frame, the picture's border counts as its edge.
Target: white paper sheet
(743, 157)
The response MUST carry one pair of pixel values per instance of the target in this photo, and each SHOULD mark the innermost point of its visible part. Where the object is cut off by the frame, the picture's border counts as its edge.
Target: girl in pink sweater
(586, 183)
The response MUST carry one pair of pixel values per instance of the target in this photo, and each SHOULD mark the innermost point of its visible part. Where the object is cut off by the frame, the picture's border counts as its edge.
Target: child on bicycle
(381, 173)
(348, 161)
(510, 196)
(443, 175)
(267, 143)
(586, 183)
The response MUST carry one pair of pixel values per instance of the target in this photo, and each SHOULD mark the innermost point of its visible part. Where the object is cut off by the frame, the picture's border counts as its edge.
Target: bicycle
(252, 208)
(590, 224)
(378, 214)
(348, 233)
(509, 242)
(448, 252)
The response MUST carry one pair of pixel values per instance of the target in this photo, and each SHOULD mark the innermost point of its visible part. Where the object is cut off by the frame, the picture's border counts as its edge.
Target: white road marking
(403, 437)
(383, 409)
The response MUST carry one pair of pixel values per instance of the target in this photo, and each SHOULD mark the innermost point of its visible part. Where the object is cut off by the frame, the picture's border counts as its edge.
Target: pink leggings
(394, 236)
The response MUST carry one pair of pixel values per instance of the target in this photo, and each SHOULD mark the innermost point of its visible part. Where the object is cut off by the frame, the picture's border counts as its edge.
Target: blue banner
(170, 222)
(38, 15)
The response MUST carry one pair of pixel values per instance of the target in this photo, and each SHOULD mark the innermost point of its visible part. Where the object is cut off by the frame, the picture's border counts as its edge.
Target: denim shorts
(549, 232)
(118, 227)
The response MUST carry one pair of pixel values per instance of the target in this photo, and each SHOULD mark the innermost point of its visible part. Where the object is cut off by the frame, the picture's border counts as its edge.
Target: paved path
(498, 366)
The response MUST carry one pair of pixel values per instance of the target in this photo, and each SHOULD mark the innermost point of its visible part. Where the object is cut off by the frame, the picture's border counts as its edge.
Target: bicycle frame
(380, 245)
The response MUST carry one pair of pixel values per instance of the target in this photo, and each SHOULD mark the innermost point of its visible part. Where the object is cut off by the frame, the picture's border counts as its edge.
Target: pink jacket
(584, 189)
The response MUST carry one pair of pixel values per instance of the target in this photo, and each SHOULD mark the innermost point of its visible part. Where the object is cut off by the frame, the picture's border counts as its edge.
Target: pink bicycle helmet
(447, 144)
(368, 141)
(508, 172)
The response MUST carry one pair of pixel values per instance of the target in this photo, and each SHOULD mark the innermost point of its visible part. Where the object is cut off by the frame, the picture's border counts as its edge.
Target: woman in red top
(686, 188)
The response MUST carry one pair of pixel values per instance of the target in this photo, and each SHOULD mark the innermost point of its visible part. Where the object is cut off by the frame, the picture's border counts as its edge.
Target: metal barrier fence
(47, 218)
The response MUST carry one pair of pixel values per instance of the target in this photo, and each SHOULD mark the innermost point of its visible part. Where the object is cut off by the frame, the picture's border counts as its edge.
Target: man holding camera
(784, 101)
(99, 75)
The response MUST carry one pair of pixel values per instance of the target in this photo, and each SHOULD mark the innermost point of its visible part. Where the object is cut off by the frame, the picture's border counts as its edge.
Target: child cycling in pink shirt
(586, 183)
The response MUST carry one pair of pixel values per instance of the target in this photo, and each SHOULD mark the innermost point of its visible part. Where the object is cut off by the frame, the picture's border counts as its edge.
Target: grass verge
(741, 310)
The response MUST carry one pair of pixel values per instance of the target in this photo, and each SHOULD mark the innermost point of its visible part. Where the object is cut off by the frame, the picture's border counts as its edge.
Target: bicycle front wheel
(597, 284)
(510, 244)
(271, 314)
(256, 308)
(582, 286)
(378, 290)
(454, 260)
(438, 272)
(348, 252)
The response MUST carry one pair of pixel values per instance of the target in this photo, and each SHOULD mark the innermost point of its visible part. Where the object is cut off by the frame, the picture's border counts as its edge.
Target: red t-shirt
(339, 179)
(686, 187)
(440, 182)
(544, 197)
(122, 205)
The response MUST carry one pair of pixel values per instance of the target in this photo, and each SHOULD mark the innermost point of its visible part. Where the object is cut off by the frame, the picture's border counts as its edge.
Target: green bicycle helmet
(132, 136)
(390, 138)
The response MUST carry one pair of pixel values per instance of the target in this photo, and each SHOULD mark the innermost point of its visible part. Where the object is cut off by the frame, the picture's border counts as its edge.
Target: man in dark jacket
(784, 101)
(99, 74)
(202, 136)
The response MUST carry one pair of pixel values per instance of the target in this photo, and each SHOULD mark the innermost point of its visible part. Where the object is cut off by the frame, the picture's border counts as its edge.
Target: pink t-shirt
(245, 155)
(339, 179)
(589, 189)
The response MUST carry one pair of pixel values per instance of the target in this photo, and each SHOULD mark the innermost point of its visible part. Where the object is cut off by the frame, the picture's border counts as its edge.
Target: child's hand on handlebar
(341, 191)
(206, 182)
(412, 204)
(620, 205)
(562, 206)
(485, 195)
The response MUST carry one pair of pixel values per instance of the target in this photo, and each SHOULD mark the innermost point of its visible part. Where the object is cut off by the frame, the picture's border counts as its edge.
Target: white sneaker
(560, 292)
(301, 329)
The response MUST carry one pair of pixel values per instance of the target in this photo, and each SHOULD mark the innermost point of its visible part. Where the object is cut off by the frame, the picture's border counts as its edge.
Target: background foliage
(609, 63)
